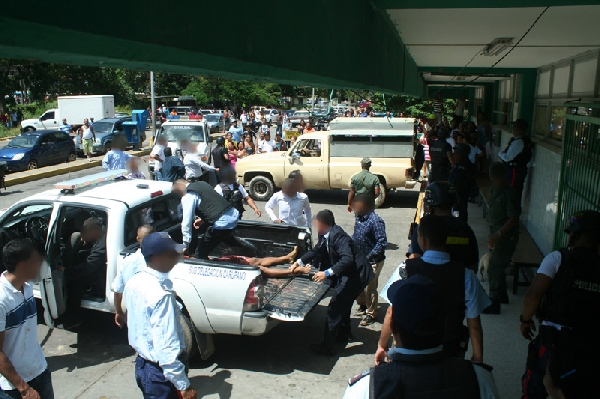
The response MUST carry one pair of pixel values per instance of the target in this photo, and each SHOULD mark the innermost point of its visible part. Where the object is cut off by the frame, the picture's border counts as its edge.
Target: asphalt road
(97, 362)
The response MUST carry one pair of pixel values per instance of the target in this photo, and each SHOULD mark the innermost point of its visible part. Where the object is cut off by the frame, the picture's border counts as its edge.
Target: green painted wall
(406, 4)
(326, 43)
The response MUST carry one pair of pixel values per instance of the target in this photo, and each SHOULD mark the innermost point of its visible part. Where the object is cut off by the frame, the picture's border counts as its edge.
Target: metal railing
(579, 186)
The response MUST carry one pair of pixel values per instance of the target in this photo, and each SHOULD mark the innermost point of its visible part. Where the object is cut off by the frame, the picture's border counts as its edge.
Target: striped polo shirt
(18, 321)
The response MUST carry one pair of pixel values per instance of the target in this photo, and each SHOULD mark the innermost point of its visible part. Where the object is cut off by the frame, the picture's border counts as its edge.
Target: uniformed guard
(220, 155)
(155, 331)
(440, 152)
(517, 155)
(461, 177)
(363, 182)
(234, 192)
(565, 294)
(503, 220)
(418, 364)
(461, 243)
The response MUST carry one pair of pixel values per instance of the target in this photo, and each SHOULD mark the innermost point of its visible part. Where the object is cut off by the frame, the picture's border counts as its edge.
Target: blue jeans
(158, 175)
(42, 384)
(152, 382)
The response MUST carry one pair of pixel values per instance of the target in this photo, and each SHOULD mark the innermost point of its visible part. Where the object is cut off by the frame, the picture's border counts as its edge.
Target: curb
(45, 172)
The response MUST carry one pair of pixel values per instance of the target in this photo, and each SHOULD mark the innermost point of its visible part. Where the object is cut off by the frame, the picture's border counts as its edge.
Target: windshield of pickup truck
(23, 141)
(103, 127)
(183, 132)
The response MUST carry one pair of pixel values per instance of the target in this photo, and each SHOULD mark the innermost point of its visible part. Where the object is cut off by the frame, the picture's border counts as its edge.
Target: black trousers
(419, 160)
(213, 237)
(339, 309)
(516, 177)
(76, 287)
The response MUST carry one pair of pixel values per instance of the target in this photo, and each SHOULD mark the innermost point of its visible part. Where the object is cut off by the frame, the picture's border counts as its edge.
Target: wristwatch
(327, 273)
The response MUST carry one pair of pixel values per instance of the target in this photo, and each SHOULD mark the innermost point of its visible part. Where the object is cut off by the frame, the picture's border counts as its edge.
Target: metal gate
(579, 186)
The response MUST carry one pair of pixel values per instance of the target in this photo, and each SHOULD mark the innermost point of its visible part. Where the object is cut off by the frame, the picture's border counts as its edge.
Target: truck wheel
(189, 333)
(261, 188)
(382, 195)
(107, 146)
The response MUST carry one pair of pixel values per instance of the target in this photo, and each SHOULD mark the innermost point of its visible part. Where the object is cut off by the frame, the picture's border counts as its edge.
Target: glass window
(541, 120)
(48, 115)
(162, 214)
(557, 122)
(48, 139)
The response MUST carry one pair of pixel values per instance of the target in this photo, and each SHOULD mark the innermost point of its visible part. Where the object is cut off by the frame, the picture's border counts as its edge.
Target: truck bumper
(257, 323)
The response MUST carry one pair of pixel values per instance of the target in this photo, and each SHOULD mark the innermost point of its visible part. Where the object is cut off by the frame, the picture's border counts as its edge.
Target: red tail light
(254, 295)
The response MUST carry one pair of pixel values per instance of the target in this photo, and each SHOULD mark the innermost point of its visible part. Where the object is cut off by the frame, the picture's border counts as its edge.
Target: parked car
(216, 124)
(30, 150)
(106, 129)
(300, 116)
(271, 115)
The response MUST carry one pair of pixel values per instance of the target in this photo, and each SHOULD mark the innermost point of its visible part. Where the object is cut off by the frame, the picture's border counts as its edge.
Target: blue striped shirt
(370, 237)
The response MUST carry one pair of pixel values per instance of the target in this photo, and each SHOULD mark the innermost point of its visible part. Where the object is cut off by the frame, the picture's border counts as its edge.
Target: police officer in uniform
(440, 153)
(220, 154)
(503, 219)
(463, 294)
(155, 331)
(461, 243)
(234, 192)
(342, 265)
(364, 182)
(517, 155)
(205, 211)
(418, 367)
(565, 294)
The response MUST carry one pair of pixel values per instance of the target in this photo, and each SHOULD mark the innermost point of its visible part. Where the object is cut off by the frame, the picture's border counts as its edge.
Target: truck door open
(291, 299)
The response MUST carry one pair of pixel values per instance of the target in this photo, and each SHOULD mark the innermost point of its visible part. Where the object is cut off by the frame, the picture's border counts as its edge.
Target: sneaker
(494, 308)
(320, 349)
(361, 311)
(368, 320)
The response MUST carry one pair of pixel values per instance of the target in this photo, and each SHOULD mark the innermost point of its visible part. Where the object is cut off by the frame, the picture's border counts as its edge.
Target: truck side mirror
(294, 156)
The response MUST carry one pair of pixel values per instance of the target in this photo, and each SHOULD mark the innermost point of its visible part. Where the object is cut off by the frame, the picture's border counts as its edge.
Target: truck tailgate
(291, 299)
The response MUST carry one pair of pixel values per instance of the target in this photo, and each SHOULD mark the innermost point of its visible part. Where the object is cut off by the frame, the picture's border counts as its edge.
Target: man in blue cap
(155, 332)
(418, 365)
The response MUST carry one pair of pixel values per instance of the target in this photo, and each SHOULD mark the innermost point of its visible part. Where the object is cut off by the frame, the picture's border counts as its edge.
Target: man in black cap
(461, 242)
(342, 265)
(565, 295)
(440, 153)
(363, 182)
(517, 155)
(418, 366)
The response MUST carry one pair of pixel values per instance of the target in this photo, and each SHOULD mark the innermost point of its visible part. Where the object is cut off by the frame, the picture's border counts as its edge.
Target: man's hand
(319, 277)
(302, 270)
(189, 393)
(278, 221)
(197, 223)
(381, 356)
(120, 320)
(30, 393)
(493, 241)
(527, 330)
(349, 208)
(258, 213)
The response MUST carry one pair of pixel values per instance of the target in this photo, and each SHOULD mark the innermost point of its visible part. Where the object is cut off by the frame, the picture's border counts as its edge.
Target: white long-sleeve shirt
(515, 148)
(193, 166)
(292, 210)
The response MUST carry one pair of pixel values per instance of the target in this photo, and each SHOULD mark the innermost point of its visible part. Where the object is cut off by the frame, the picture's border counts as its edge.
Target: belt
(146, 361)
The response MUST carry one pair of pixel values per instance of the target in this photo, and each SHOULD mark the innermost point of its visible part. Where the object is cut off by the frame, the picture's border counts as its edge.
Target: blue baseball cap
(158, 243)
(418, 306)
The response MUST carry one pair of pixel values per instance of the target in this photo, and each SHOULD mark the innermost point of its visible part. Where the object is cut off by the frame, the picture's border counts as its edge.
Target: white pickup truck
(217, 297)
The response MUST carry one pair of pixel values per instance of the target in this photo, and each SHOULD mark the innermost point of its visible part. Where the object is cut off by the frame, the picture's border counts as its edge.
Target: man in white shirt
(23, 368)
(267, 144)
(244, 119)
(193, 165)
(158, 154)
(88, 137)
(127, 267)
(293, 207)
(459, 111)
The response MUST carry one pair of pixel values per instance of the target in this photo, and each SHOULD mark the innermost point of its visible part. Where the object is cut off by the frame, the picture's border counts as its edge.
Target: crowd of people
(435, 298)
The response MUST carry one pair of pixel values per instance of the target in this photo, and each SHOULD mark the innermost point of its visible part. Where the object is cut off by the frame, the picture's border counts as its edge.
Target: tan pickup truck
(329, 159)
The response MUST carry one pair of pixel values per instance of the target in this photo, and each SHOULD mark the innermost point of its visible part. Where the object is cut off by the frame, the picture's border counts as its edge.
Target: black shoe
(344, 338)
(70, 324)
(494, 308)
(503, 298)
(321, 349)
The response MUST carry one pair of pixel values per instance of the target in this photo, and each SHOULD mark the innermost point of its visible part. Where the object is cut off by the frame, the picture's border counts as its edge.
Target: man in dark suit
(343, 266)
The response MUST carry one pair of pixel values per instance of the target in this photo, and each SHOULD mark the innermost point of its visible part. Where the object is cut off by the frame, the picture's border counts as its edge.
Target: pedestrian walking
(563, 297)
(363, 182)
(418, 366)
(153, 320)
(503, 219)
(293, 207)
(23, 369)
(88, 138)
(158, 155)
(370, 237)
(517, 155)
(342, 265)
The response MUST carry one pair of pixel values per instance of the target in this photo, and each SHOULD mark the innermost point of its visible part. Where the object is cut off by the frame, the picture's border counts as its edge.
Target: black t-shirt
(219, 157)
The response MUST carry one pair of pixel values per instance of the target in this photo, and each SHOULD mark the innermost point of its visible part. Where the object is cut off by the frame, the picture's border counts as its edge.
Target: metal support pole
(153, 105)
(313, 101)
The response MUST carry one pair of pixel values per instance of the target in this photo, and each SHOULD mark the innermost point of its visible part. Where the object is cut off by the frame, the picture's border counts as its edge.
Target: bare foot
(292, 255)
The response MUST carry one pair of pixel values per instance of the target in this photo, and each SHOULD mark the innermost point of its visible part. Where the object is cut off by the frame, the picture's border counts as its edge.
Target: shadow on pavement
(207, 385)
(286, 348)
(395, 199)
(99, 340)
